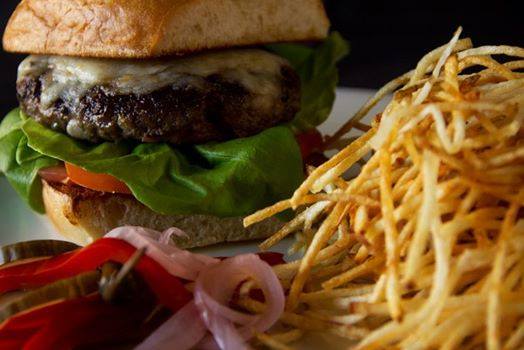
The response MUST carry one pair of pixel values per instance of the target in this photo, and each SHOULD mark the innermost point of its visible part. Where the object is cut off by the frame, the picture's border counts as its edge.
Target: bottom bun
(83, 215)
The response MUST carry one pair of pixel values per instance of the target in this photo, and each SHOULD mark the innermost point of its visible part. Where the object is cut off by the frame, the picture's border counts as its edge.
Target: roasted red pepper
(87, 321)
(168, 289)
(68, 324)
(272, 258)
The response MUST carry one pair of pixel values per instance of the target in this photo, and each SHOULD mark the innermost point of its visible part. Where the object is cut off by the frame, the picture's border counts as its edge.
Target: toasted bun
(148, 28)
(82, 216)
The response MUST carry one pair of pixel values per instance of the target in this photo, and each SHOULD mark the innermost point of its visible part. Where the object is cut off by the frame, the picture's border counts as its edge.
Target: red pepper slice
(71, 323)
(272, 258)
(18, 329)
(169, 290)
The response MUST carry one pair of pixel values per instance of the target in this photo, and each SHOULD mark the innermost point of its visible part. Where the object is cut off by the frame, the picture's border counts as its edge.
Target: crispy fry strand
(424, 247)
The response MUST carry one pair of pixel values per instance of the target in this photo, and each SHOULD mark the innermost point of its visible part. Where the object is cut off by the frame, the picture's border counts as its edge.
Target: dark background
(387, 38)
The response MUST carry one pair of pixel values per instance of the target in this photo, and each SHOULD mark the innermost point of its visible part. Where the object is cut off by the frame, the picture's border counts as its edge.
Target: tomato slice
(94, 181)
(309, 142)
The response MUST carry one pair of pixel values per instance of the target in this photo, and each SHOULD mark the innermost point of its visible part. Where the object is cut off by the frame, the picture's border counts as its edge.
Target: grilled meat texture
(195, 110)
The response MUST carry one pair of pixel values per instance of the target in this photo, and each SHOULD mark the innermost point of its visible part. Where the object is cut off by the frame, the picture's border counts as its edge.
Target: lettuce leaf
(20, 163)
(318, 75)
(231, 178)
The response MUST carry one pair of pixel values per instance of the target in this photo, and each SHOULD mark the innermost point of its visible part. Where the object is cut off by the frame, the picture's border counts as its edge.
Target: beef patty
(211, 97)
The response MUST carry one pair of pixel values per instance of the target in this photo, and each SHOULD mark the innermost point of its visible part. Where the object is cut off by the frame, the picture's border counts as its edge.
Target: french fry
(271, 342)
(424, 247)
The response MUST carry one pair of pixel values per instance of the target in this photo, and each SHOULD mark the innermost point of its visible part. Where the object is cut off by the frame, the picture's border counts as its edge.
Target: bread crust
(150, 28)
(83, 215)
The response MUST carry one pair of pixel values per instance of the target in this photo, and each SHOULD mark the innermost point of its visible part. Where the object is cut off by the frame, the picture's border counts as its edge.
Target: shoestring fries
(424, 248)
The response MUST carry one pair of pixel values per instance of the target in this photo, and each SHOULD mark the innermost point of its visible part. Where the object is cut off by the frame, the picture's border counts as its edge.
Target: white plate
(19, 223)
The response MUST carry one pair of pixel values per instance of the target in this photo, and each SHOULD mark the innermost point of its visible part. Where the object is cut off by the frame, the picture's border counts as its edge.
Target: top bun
(151, 28)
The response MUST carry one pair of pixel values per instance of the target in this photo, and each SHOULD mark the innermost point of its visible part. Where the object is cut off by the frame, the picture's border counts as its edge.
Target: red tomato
(309, 142)
(94, 181)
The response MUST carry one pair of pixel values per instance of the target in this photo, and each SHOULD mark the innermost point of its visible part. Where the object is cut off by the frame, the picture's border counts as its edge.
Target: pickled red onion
(216, 282)
(186, 319)
(165, 237)
(178, 262)
(213, 293)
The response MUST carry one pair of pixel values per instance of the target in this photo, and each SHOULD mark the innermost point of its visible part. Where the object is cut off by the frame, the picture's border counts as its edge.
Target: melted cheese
(69, 78)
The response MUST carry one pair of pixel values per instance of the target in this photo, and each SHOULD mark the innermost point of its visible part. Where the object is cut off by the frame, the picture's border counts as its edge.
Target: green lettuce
(20, 163)
(318, 75)
(231, 178)
(225, 179)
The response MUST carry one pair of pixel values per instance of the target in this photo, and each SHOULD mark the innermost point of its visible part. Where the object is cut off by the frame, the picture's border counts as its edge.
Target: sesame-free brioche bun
(83, 215)
(149, 28)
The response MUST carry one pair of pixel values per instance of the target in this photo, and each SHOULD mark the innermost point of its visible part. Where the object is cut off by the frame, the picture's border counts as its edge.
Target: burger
(164, 113)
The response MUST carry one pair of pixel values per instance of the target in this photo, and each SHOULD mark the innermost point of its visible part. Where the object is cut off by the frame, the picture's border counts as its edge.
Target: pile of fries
(424, 248)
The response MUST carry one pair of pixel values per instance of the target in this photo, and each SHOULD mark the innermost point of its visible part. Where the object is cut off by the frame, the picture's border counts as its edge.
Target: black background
(387, 38)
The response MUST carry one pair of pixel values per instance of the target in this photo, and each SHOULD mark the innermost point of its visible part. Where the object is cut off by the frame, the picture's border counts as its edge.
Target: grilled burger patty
(208, 97)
